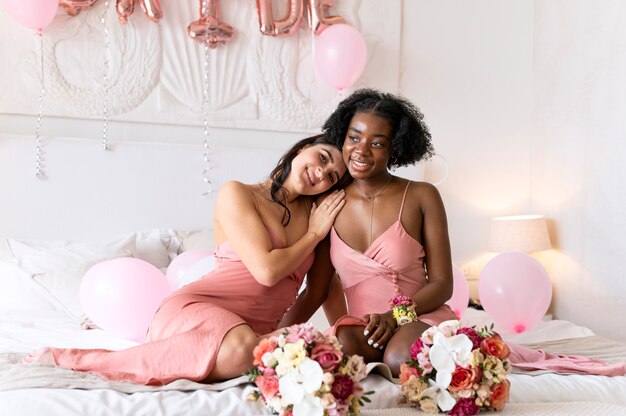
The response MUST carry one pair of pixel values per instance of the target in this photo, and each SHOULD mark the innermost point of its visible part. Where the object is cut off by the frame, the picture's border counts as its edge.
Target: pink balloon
(122, 295)
(515, 290)
(340, 55)
(460, 292)
(183, 262)
(34, 14)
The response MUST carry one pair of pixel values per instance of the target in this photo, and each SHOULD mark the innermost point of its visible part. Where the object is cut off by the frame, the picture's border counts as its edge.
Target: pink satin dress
(392, 265)
(187, 330)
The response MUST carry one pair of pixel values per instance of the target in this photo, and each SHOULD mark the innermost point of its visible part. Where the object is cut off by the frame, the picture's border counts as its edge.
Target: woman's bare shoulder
(235, 191)
(423, 193)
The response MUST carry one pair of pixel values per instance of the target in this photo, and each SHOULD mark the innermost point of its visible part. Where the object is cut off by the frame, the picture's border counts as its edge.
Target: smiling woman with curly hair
(411, 141)
(391, 238)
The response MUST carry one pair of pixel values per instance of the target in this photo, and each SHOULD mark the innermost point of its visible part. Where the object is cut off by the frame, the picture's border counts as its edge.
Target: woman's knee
(238, 346)
(394, 356)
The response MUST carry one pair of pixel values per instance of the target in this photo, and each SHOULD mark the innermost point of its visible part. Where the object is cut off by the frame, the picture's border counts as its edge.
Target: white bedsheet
(23, 331)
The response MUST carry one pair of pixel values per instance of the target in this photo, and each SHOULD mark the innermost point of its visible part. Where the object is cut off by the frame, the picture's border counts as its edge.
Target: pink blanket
(529, 359)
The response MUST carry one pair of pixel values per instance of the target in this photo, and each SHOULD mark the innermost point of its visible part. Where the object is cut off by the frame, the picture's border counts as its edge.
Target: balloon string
(39, 162)
(105, 108)
(205, 113)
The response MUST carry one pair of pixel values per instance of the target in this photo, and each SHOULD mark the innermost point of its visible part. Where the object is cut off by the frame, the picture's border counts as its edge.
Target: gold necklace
(371, 198)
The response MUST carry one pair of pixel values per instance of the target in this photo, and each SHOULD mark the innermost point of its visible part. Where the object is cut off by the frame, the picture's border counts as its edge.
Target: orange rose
(500, 394)
(406, 371)
(494, 345)
(463, 379)
(265, 345)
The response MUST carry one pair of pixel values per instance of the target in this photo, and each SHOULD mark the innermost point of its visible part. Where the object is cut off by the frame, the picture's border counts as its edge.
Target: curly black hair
(411, 141)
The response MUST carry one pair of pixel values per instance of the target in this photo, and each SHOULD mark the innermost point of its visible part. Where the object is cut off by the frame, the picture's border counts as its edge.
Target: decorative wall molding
(156, 70)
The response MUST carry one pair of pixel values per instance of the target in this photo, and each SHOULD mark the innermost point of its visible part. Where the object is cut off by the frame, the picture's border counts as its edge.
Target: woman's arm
(438, 259)
(318, 281)
(238, 219)
(335, 306)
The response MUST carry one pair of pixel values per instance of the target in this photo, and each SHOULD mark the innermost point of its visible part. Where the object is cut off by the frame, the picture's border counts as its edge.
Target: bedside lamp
(520, 233)
(514, 288)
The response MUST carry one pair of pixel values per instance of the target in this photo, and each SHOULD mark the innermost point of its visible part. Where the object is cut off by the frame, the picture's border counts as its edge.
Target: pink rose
(500, 394)
(268, 386)
(494, 345)
(327, 356)
(305, 331)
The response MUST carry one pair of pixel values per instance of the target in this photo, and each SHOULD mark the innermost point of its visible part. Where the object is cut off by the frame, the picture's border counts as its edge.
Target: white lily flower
(449, 328)
(298, 386)
(309, 406)
(446, 353)
(441, 395)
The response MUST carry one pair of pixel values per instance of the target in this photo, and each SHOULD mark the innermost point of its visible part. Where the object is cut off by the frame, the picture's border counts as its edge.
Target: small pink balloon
(515, 290)
(34, 14)
(460, 292)
(340, 55)
(122, 295)
(181, 263)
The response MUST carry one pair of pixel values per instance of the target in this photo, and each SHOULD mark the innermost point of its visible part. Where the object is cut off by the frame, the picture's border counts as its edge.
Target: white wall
(578, 149)
(525, 100)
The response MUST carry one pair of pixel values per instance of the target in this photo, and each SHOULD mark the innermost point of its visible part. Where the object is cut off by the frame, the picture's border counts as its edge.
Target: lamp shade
(519, 233)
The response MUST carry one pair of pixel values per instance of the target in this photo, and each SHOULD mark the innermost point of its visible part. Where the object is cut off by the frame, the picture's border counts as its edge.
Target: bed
(39, 307)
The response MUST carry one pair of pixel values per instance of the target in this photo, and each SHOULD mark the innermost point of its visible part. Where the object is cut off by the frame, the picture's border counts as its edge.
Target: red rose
(327, 356)
(500, 394)
(268, 385)
(462, 379)
(343, 387)
(494, 345)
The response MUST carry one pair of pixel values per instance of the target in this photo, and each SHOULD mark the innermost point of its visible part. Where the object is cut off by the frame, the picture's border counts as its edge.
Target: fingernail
(375, 345)
(381, 347)
(369, 341)
(366, 332)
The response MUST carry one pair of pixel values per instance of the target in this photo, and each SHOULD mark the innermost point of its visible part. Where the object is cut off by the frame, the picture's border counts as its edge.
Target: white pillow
(196, 240)
(59, 266)
(158, 246)
(19, 292)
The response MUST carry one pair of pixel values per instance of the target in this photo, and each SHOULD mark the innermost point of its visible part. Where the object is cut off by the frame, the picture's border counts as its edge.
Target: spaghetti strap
(403, 199)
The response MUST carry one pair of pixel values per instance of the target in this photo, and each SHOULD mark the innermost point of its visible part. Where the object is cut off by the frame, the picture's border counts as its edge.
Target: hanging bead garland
(39, 159)
(105, 108)
(205, 113)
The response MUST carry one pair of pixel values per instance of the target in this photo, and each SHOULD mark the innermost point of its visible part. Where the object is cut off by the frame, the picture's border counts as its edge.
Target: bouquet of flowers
(303, 372)
(458, 370)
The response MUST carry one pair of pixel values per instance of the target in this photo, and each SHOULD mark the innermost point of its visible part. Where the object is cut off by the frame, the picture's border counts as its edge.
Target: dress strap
(403, 199)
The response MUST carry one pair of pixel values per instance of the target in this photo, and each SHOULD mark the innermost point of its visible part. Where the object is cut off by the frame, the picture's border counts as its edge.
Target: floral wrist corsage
(403, 309)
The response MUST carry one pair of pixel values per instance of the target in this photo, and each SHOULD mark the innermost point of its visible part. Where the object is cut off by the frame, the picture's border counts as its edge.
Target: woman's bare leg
(398, 348)
(354, 342)
(235, 354)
